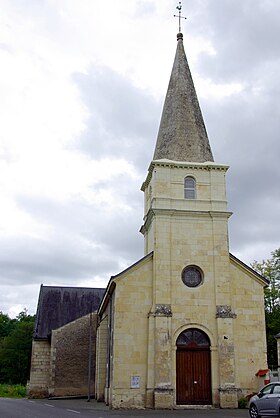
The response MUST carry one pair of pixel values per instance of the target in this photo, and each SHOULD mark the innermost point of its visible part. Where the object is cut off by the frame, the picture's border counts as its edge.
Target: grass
(12, 391)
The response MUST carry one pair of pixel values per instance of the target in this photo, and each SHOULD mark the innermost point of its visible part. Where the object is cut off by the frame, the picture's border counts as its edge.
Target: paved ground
(103, 411)
(46, 408)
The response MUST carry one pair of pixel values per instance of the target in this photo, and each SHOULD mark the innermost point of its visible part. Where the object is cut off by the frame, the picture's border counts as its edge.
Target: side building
(66, 321)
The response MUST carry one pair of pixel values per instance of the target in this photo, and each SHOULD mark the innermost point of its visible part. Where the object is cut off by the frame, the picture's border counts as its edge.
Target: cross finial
(179, 7)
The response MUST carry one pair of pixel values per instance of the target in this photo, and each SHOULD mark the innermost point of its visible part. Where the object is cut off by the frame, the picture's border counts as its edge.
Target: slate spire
(182, 135)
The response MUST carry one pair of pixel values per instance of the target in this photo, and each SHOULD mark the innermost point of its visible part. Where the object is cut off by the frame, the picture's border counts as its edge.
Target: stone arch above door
(193, 338)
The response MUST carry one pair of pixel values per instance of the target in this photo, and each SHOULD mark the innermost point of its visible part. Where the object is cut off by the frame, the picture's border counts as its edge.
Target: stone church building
(185, 324)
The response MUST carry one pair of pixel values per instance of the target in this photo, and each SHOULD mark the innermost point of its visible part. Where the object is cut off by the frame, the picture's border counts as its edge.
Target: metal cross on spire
(179, 7)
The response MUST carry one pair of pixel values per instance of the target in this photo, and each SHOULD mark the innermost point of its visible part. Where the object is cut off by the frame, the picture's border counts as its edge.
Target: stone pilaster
(163, 392)
(227, 388)
(101, 359)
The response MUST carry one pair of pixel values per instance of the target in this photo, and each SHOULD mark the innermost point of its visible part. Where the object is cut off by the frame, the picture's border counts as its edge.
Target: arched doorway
(193, 368)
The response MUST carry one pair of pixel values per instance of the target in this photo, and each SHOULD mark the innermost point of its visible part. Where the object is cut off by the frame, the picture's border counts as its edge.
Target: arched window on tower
(189, 188)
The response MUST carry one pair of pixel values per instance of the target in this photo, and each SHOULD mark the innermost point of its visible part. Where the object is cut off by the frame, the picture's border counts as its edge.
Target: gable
(130, 272)
(247, 270)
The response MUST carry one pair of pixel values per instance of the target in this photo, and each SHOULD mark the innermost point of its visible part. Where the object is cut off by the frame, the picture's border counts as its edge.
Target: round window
(192, 276)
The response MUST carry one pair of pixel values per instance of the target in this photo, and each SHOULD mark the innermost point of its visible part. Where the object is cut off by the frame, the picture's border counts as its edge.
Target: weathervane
(179, 7)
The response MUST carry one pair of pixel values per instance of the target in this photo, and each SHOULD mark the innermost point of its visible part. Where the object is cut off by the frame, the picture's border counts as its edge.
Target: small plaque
(135, 382)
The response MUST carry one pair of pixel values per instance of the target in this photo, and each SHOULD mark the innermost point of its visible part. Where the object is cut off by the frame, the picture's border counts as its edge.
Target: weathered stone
(163, 310)
(182, 134)
(224, 311)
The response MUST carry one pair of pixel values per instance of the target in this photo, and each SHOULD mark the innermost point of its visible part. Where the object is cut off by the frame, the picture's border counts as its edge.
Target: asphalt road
(45, 408)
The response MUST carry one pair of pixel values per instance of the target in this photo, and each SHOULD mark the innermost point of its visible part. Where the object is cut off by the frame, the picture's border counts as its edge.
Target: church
(185, 324)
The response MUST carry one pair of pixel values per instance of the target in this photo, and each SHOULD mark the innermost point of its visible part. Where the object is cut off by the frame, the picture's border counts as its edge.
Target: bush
(242, 403)
(12, 391)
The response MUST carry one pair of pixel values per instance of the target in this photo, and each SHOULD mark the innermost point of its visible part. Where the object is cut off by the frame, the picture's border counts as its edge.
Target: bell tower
(186, 227)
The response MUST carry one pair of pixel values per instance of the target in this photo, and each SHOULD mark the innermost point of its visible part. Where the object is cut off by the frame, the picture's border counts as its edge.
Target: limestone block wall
(133, 298)
(249, 329)
(167, 182)
(164, 191)
(70, 357)
(101, 357)
(184, 232)
(192, 243)
(40, 369)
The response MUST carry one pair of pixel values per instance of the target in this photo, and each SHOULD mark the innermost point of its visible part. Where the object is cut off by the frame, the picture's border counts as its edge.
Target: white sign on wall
(135, 382)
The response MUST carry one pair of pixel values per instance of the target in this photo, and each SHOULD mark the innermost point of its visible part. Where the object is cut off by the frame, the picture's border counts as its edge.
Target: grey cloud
(84, 239)
(31, 260)
(244, 133)
(244, 34)
(24, 295)
(122, 118)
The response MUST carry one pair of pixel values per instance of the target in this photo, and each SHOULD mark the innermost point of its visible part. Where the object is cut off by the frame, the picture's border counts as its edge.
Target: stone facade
(126, 334)
(152, 305)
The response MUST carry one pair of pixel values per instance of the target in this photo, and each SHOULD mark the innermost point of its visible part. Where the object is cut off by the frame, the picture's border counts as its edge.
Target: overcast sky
(82, 87)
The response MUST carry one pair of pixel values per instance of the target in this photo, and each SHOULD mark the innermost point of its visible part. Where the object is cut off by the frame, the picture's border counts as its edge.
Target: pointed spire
(182, 135)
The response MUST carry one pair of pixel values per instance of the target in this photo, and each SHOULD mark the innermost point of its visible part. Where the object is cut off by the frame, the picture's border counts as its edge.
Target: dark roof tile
(58, 306)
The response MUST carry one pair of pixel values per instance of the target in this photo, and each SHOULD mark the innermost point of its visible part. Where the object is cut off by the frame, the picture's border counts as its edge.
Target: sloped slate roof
(58, 306)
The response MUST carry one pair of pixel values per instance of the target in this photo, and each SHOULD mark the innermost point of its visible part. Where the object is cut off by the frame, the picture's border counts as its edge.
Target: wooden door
(193, 372)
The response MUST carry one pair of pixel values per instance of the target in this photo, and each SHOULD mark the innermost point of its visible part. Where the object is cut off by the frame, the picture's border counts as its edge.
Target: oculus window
(192, 276)
(189, 188)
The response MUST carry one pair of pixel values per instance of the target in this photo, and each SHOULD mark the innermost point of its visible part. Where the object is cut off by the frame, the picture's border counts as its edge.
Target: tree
(270, 269)
(15, 348)
(6, 325)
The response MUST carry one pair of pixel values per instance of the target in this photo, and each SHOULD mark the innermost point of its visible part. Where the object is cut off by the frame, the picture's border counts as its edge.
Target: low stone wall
(69, 363)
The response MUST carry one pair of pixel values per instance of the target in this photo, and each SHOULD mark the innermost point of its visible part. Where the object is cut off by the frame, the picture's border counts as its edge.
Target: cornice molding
(207, 166)
(152, 213)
